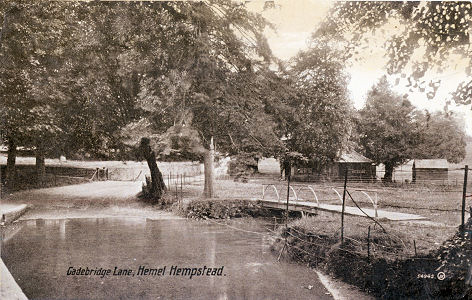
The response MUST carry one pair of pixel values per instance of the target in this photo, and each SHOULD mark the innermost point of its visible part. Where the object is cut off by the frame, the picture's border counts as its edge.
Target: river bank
(384, 262)
(386, 265)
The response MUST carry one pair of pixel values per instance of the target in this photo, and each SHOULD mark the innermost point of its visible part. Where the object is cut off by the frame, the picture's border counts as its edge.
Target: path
(9, 212)
(311, 207)
(99, 199)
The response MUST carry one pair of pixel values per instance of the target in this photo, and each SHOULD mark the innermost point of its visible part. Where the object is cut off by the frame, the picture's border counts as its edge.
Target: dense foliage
(419, 36)
(391, 131)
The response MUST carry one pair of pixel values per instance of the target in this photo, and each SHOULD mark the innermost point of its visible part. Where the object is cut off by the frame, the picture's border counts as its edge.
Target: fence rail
(297, 188)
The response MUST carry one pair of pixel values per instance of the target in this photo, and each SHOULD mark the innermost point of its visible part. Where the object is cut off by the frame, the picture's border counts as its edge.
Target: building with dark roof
(359, 168)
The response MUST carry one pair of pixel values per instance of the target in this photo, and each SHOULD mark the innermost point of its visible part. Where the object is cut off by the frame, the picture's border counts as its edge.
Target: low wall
(9, 289)
(125, 172)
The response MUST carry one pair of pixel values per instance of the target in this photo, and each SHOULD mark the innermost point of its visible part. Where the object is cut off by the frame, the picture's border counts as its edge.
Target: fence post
(181, 187)
(414, 244)
(464, 192)
(344, 202)
(288, 196)
(1, 182)
(368, 245)
(176, 192)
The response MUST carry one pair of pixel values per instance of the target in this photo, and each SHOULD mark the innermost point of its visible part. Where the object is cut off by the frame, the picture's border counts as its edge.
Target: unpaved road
(90, 200)
(99, 192)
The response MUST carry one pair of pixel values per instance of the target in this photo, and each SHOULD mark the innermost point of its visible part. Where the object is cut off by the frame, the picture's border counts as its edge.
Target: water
(39, 253)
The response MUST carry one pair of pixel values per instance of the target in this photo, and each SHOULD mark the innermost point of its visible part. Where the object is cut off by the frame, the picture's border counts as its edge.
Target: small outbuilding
(359, 168)
(429, 170)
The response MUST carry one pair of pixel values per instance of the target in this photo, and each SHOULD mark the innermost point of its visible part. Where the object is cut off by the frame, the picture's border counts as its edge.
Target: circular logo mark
(441, 276)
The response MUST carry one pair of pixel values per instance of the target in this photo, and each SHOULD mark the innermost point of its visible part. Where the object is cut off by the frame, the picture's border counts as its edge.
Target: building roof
(431, 164)
(353, 157)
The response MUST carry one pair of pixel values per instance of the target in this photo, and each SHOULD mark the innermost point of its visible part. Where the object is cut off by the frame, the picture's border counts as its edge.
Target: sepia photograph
(235, 149)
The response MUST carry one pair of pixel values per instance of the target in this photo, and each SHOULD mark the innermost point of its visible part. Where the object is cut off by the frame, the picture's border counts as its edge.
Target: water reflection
(41, 252)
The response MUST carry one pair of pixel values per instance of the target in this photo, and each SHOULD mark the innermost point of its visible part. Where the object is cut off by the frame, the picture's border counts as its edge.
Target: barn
(430, 169)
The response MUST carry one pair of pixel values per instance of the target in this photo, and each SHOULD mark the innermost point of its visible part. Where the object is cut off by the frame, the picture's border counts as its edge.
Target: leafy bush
(242, 165)
(221, 209)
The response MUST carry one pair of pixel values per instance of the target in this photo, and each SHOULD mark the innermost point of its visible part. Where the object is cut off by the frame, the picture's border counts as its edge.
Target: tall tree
(440, 136)
(392, 131)
(31, 43)
(208, 80)
(319, 123)
(387, 128)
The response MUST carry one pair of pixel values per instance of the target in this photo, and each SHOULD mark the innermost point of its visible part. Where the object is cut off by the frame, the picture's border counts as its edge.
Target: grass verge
(385, 266)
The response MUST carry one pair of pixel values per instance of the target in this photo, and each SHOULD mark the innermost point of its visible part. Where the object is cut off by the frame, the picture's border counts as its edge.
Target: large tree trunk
(208, 190)
(158, 186)
(40, 167)
(388, 172)
(10, 176)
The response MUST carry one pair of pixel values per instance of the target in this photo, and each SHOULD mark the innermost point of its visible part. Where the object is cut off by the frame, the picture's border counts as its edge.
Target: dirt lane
(105, 199)
(101, 192)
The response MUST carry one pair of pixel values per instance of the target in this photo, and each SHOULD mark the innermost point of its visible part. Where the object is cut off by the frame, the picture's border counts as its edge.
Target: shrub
(221, 209)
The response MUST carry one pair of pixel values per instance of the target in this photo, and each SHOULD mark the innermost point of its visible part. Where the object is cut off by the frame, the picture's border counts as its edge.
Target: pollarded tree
(387, 128)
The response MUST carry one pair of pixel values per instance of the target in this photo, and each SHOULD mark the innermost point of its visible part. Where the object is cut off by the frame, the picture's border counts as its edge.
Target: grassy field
(441, 205)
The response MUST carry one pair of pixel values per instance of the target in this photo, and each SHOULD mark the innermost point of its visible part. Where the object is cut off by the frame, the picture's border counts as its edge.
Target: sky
(295, 20)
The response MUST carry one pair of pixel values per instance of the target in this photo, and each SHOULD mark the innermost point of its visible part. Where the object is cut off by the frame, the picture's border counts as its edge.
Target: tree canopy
(319, 121)
(175, 73)
(392, 131)
(427, 35)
